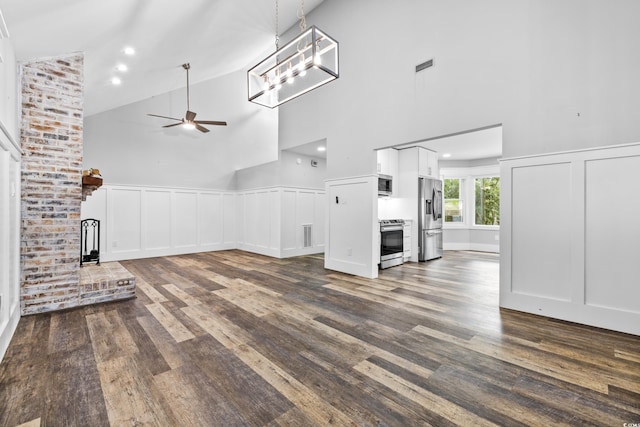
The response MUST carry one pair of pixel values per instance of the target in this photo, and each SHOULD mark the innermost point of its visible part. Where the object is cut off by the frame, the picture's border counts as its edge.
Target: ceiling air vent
(424, 65)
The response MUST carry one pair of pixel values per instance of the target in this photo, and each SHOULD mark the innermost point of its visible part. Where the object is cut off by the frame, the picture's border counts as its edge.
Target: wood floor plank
(421, 396)
(177, 330)
(163, 341)
(129, 396)
(179, 293)
(109, 336)
(150, 291)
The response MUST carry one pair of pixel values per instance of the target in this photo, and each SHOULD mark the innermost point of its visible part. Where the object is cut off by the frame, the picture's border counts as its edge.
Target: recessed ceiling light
(116, 80)
(129, 50)
(445, 155)
(322, 148)
(121, 67)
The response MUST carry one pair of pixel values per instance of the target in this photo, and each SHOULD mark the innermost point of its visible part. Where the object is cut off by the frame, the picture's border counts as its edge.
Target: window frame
(468, 175)
(473, 220)
(462, 198)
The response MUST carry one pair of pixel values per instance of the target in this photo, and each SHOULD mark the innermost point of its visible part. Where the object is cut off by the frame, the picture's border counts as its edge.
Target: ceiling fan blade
(172, 125)
(211, 122)
(201, 128)
(190, 116)
(164, 117)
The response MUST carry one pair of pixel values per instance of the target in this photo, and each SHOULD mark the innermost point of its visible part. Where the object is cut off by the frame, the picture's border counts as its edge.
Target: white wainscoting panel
(157, 219)
(141, 222)
(543, 245)
(289, 202)
(229, 221)
(613, 233)
(186, 224)
(9, 239)
(124, 217)
(569, 236)
(210, 217)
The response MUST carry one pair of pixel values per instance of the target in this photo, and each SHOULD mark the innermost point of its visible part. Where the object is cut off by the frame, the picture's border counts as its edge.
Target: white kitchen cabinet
(418, 161)
(407, 240)
(427, 163)
(388, 161)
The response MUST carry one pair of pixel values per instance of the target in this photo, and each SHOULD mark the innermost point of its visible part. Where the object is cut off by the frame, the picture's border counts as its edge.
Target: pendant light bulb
(302, 67)
(289, 74)
(189, 125)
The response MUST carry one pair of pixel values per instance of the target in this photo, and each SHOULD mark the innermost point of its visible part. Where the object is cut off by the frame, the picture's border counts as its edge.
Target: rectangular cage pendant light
(305, 63)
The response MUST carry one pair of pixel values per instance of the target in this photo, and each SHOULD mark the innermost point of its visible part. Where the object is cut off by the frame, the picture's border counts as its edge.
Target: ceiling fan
(188, 120)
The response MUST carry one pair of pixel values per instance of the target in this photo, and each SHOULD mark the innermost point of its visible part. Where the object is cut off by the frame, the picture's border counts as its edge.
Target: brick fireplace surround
(51, 138)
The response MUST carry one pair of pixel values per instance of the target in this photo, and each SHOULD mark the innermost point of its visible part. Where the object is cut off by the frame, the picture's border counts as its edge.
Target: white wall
(570, 235)
(129, 147)
(531, 65)
(290, 170)
(9, 194)
(141, 222)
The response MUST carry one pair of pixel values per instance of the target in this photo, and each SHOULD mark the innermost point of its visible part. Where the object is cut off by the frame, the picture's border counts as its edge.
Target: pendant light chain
(303, 20)
(277, 30)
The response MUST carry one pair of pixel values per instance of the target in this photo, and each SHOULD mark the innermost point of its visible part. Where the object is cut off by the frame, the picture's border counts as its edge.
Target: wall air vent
(306, 231)
(424, 65)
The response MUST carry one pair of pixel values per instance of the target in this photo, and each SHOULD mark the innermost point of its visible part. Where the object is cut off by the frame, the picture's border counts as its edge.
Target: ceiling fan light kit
(305, 63)
(189, 121)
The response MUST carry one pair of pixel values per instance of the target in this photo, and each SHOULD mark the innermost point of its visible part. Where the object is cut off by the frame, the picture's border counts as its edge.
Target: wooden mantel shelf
(89, 185)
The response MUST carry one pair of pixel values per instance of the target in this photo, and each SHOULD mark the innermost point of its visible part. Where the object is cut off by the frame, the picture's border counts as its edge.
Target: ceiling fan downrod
(187, 66)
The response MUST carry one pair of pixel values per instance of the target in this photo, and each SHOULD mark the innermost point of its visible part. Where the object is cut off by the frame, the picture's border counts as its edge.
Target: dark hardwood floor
(236, 339)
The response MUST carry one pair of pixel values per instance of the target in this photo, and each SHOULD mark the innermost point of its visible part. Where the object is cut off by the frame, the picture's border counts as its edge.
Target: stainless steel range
(391, 242)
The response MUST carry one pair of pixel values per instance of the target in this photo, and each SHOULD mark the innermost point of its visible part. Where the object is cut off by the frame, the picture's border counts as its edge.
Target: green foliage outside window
(487, 201)
(452, 203)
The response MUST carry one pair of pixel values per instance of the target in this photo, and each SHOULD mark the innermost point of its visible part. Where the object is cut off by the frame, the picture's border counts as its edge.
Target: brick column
(51, 137)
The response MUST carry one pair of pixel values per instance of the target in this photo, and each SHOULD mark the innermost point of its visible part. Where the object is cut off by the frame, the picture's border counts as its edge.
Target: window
(487, 191)
(453, 204)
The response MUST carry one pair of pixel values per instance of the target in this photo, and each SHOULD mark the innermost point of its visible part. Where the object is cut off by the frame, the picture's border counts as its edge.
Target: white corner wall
(353, 230)
(272, 221)
(570, 236)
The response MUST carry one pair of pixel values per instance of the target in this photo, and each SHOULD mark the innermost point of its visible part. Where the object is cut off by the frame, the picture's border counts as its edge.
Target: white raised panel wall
(570, 236)
(273, 220)
(9, 238)
(141, 222)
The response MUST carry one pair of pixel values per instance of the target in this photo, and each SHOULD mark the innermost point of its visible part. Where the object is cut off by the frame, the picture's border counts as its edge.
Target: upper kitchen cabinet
(388, 161)
(427, 163)
(420, 161)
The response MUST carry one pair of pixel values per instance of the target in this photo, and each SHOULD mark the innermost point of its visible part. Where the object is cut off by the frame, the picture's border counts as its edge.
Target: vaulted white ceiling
(215, 36)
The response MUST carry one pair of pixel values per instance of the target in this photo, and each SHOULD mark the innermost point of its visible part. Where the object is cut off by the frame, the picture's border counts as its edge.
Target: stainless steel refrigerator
(429, 218)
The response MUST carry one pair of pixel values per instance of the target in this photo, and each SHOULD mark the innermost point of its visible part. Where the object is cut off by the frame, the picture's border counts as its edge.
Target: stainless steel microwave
(385, 185)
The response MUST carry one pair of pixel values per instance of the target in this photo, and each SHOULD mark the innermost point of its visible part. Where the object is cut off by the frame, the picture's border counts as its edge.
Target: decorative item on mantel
(91, 181)
(305, 63)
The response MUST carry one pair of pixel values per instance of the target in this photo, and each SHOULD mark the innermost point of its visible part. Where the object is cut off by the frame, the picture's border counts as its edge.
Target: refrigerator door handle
(438, 199)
